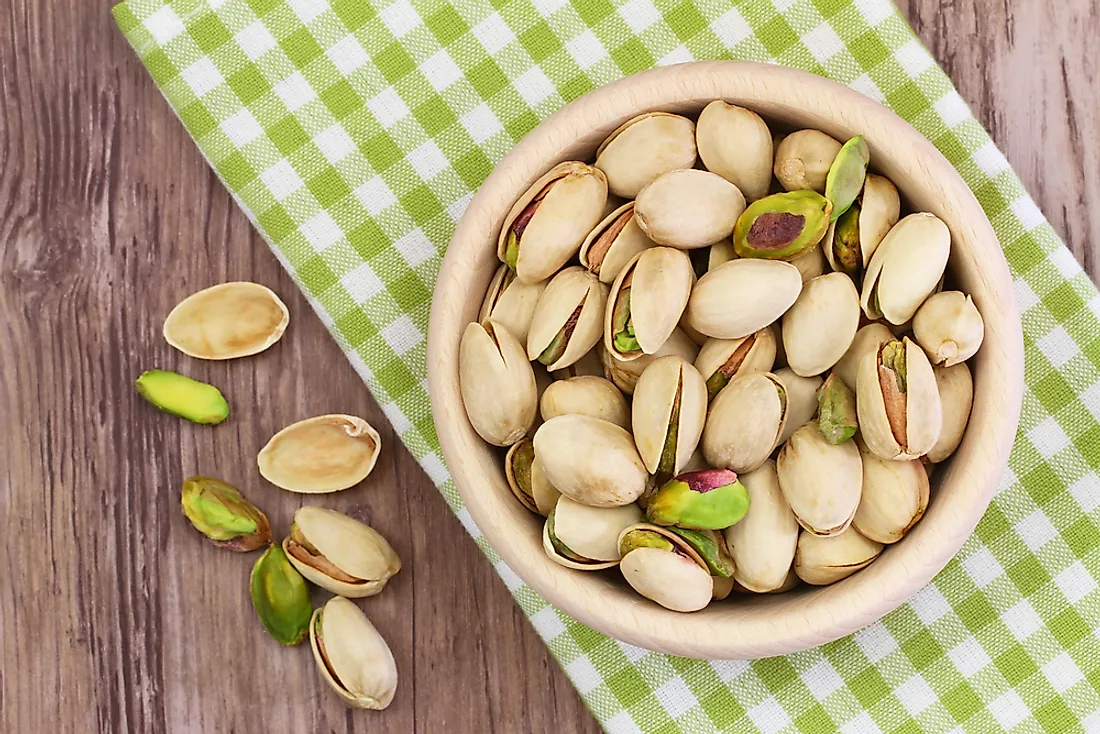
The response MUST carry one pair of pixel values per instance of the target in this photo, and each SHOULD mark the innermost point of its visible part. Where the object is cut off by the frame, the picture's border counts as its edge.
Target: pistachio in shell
(705, 259)
(221, 513)
(895, 496)
(589, 364)
(869, 338)
(588, 535)
(803, 159)
(625, 374)
(497, 383)
(721, 360)
(180, 395)
(906, 268)
(711, 499)
(742, 296)
(351, 655)
(949, 328)
(847, 173)
(280, 597)
(688, 208)
(527, 480)
(899, 408)
(820, 326)
(820, 561)
(226, 321)
(745, 422)
(646, 302)
(326, 453)
(510, 302)
(810, 264)
(836, 411)
(568, 318)
(667, 414)
(879, 210)
(339, 553)
(956, 388)
(643, 148)
(587, 395)
(661, 566)
(590, 461)
(801, 400)
(782, 226)
(821, 482)
(613, 243)
(762, 544)
(735, 143)
(723, 587)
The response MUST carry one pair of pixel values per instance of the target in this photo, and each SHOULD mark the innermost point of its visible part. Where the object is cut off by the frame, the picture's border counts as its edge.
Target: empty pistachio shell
(836, 410)
(801, 400)
(589, 364)
(322, 454)
(613, 243)
(721, 360)
(900, 415)
(763, 543)
(548, 223)
(821, 482)
(568, 318)
(711, 499)
(868, 339)
(782, 226)
(497, 383)
(820, 326)
(745, 422)
(226, 321)
(661, 567)
(625, 373)
(895, 495)
(811, 264)
(906, 268)
(821, 561)
(511, 302)
(643, 148)
(174, 393)
(949, 327)
(846, 175)
(688, 209)
(956, 388)
(803, 158)
(527, 480)
(736, 143)
(222, 514)
(586, 395)
(592, 533)
(646, 302)
(352, 656)
(591, 461)
(340, 554)
(742, 296)
(667, 414)
(280, 597)
(880, 207)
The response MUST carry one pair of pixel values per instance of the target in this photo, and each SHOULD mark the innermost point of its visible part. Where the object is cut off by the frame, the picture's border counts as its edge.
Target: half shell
(339, 553)
(613, 243)
(647, 299)
(511, 302)
(227, 321)
(567, 319)
(327, 453)
(352, 656)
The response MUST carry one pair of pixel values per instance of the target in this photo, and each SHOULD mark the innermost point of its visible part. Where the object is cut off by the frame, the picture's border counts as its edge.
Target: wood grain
(116, 616)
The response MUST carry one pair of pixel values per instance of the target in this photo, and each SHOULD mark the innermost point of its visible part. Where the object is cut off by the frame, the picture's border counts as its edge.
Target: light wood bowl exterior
(745, 626)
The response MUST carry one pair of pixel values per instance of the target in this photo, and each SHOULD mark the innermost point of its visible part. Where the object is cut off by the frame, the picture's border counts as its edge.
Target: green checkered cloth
(353, 134)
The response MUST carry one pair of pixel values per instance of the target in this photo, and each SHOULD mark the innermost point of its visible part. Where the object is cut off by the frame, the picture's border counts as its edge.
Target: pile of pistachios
(327, 453)
(719, 357)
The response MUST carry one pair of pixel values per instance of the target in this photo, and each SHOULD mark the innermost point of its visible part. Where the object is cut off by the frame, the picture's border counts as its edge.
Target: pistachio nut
(836, 410)
(586, 395)
(613, 243)
(956, 388)
(879, 209)
(710, 546)
(949, 327)
(280, 597)
(803, 158)
(895, 495)
(567, 318)
(589, 364)
(820, 561)
(723, 587)
(742, 296)
(646, 302)
(527, 480)
(847, 173)
(548, 223)
(736, 143)
(326, 453)
(227, 321)
(174, 393)
(222, 514)
(821, 482)
(590, 461)
(695, 336)
(820, 326)
(663, 568)
(789, 583)
(801, 400)
(841, 243)
(511, 302)
(339, 553)
(586, 538)
(868, 339)
(906, 268)
(762, 544)
(688, 209)
(352, 656)
(625, 374)
(497, 383)
(705, 259)
(745, 422)
(782, 226)
(667, 414)
(900, 414)
(721, 360)
(810, 264)
(643, 148)
(711, 499)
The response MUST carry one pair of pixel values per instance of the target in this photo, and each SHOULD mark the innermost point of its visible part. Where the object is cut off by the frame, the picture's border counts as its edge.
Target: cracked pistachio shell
(820, 326)
(613, 243)
(880, 208)
(497, 383)
(847, 174)
(326, 453)
(221, 513)
(548, 223)
(646, 302)
(803, 158)
(763, 543)
(339, 553)
(868, 339)
(625, 373)
(811, 264)
(906, 268)
(280, 597)
(589, 364)
(736, 143)
(742, 296)
(900, 414)
(688, 209)
(822, 561)
(669, 572)
(956, 388)
(667, 414)
(721, 360)
(949, 328)
(895, 496)
(590, 461)
(351, 655)
(745, 422)
(593, 532)
(527, 480)
(821, 482)
(511, 302)
(567, 318)
(586, 395)
(643, 148)
(801, 400)
(227, 321)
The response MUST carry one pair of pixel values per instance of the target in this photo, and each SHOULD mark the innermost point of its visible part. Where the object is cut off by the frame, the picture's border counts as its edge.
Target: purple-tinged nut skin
(705, 480)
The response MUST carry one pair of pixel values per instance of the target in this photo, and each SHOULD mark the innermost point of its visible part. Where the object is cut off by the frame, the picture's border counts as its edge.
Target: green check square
(396, 379)
(632, 56)
(592, 11)
(341, 99)
(722, 708)
(381, 151)
(1028, 575)
(922, 649)
(522, 124)
(249, 84)
(287, 135)
(575, 87)
(869, 50)
(775, 673)
(976, 611)
(1016, 665)
(909, 101)
(209, 32)
(685, 20)
(777, 35)
(1042, 484)
(353, 13)
(262, 7)
(235, 171)
(1056, 717)
(301, 47)
(435, 115)
(394, 62)
(473, 167)
(368, 240)
(539, 41)
(869, 687)
(829, 8)
(446, 25)
(197, 119)
(160, 66)
(1068, 627)
(316, 275)
(962, 702)
(1082, 537)
(487, 79)
(993, 525)
(277, 223)
(815, 719)
(1063, 301)
(628, 686)
(421, 204)
(1053, 392)
(328, 187)
(355, 326)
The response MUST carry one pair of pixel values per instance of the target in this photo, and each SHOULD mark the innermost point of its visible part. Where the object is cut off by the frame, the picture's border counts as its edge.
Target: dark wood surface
(115, 615)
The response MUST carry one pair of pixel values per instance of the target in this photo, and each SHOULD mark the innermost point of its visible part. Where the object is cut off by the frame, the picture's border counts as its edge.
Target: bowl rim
(763, 626)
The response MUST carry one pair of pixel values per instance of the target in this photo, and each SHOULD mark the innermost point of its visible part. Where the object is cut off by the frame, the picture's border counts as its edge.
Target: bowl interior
(747, 626)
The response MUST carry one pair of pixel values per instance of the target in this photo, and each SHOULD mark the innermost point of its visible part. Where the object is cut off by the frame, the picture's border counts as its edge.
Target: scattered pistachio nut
(803, 158)
(613, 243)
(900, 414)
(820, 561)
(625, 374)
(742, 296)
(956, 389)
(820, 326)
(327, 453)
(226, 321)
(586, 538)
(280, 597)
(527, 480)
(510, 302)
(782, 226)
(736, 143)
(906, 268)
(352, 656)
(688, 209)
(801, 400)
(174, 393)
(646, 302)
(590, 461)
(662, 567)
(643, 148)
(821, 482)
(587, 395)
(339, 553)
(949, 328)
(745, 422)
(762, 544)
(219, 511)
(847, 173)
(721, 360)
(836, 410)
(895, 496)
(668, 413)
(567, 319)
(711, 499)
(868, 339)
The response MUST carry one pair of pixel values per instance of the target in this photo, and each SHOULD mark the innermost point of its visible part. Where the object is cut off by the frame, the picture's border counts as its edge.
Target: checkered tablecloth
(353, 133)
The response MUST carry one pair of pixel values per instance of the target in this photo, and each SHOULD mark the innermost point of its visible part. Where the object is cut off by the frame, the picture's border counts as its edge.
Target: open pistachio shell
(663, 568)
(949, 328)
(511, 302)
(591, 461)
(745, 422)
(593, 532)
(721, 360)
(327, 453)
(736, 143)
(340, 554)
(227, 321)
(527, 480)
(820, 326)
(646, 302)
(589, 364)
(821, 482)
(763, 543)
(956, 388)
(880, 208)
(586, 395)
(643, 148)
(868, 339)
(352, 656)
(625, 373)
(906, 268)
(667, 414)
(567, 319)
(820, 561)
(742, 296)
(900, 414)
(688, 209)
(895, 496)
(613, 243)
(801, 400)
(497, 383)
(803, 158)
(847, 174)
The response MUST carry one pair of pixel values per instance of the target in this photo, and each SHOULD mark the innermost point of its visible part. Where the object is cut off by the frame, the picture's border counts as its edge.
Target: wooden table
(115, 615)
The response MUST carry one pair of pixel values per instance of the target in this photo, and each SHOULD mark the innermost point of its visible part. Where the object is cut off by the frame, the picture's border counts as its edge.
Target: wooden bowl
(745, 626)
